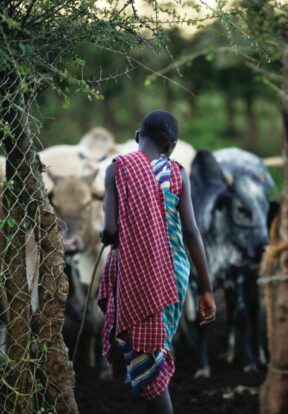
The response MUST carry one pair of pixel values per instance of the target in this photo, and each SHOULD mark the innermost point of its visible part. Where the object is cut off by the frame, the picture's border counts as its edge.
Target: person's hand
(207, 308)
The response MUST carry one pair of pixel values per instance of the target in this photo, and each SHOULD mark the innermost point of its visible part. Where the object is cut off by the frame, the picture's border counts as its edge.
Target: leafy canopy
(39, 37)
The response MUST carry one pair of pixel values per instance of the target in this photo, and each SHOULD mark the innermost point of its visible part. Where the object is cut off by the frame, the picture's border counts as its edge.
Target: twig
(270, 279)
(154, 72)
(86, 303)
(278, 370)
(28, 12)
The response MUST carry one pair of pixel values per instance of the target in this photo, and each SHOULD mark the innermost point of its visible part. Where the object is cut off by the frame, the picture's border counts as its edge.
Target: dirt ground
(228, 391)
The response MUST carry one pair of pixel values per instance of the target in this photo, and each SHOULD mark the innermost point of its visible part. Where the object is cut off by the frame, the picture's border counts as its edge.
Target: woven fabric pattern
(149, 374)
(172, 313)
(144, 267)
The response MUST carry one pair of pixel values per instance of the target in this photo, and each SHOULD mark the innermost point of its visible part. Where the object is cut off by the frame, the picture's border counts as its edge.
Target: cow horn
(227, 177)
(274, 162)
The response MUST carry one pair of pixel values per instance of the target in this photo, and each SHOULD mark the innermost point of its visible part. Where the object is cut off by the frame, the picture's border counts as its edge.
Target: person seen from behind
(150, 225)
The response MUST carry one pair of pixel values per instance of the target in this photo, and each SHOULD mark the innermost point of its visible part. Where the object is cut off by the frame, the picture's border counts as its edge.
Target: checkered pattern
(106, 300)
(144, 266)
(156, 388)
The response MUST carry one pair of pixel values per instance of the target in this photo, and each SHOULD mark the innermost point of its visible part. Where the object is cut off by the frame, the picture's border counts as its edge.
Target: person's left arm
(110, 231)
(193, 240)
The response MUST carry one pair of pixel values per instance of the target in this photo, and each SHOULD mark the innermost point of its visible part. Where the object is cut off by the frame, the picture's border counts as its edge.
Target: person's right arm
(193, 241)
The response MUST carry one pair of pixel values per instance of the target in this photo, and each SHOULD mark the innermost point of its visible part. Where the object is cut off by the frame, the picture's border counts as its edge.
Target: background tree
(217, 96)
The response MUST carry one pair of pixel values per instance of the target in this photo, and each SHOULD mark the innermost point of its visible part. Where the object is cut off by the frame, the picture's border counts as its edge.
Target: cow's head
(78, 209)
(231, 205)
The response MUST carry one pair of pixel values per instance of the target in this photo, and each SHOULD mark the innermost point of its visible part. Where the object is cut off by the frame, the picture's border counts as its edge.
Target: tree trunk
(231, 129)
(56, 372)
(274, 393)
(20, 378)
(41, 374)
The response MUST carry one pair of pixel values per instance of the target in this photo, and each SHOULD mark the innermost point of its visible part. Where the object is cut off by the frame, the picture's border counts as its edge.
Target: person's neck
(149, 149)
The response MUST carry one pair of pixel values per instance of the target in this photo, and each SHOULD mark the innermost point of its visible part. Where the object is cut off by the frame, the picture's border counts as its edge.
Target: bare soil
(228, 391)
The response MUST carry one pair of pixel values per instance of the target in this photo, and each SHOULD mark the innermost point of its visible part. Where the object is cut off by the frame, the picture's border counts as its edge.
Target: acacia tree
(38, 43)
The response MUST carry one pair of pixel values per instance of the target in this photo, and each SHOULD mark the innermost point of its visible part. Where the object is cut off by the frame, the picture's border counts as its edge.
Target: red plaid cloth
(140, 278)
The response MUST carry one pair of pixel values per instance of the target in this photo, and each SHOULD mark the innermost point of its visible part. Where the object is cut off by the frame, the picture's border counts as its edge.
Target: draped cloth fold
(139, 278)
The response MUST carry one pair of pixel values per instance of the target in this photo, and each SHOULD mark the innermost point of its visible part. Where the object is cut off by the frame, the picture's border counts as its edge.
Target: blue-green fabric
(141, 368)
(172, 313)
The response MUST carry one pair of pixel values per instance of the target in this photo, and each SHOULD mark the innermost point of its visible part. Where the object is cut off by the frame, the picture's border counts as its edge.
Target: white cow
(78, 160)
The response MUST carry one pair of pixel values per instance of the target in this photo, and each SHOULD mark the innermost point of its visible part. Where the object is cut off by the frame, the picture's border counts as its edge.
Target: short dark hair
(161, 127)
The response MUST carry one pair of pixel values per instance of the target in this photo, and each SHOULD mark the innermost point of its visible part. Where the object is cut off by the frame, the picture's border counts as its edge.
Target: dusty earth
(228, 391)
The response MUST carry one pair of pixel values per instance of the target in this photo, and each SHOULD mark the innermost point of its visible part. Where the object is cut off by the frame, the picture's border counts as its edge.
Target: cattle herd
(230, 190)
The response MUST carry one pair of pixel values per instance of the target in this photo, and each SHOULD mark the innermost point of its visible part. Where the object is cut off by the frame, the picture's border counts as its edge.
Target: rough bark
(20, 378)
(48, 381)
(56, 372)
(4, 305)
(274, 393)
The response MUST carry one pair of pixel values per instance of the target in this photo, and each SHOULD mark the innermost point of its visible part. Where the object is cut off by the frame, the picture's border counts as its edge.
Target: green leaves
(210, 56)
(38, 386)
(10, 222)
(5, 129)
(10, 22)
(26, 49)
(9, 184)
(80, 62)
(37, 38)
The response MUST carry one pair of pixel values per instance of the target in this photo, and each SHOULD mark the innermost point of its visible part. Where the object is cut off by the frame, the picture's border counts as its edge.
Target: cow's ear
(205, 167)
(207, 183)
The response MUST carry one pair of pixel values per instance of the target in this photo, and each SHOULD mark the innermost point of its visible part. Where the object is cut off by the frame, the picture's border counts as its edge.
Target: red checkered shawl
(140, 278)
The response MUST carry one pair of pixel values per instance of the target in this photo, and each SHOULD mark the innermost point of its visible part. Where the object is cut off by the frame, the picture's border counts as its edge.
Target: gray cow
(229, 193)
